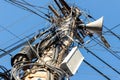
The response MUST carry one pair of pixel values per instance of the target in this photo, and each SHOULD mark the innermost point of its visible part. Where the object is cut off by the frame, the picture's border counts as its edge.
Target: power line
(18, 20)
(22, 34)
(19, 41)
(115, 26)
(112, 32)
(31, 40)
(108, 49)
(84, 61)
(10, 32)
(101, 60)
(97, 70)
(5, 51)
(18, 4)
(14, 48)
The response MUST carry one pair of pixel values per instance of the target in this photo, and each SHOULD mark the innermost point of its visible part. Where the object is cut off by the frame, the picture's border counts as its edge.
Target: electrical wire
(23, 34)
(35, 51)
(114, 27)
(14, 48)
(35, 7)
(17, 68)
(5, 52)
(17, 21)
(18, 4)
(10, 32)
(18, 41)
(31, 40)
(4, 71)
(108, 49)
(101, 60)
(97, 70)
(112, 31)
(3, 68)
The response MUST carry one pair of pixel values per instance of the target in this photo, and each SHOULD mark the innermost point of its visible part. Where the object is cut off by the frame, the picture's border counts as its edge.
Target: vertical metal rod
(63, 3)
(58, 5)
(54, 11)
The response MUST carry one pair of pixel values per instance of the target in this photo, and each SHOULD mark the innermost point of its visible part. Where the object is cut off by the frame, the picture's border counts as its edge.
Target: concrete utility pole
(54, 57)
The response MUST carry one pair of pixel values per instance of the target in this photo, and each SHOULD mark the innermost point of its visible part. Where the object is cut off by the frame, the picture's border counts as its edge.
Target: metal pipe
(54, 11)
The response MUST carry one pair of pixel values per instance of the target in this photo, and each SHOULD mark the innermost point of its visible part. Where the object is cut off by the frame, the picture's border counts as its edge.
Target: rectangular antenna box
(72, 61)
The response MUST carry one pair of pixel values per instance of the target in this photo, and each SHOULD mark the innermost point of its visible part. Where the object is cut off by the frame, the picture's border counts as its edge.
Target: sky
(16, 23)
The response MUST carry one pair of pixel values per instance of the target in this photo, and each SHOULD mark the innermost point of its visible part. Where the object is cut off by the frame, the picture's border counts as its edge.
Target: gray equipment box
(72, 61)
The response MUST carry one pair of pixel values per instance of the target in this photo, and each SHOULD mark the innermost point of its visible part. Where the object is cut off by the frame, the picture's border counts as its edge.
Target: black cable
(4, 76)
(14, 48)
(112, 32)
(40, 31)
(4, 70)
(101, 60)
(31, 40)
(108, 49)
(24, 35)
(33, 6)
(5, 52)
(25, 8)
(17, 21)
(115, 26)
(97, 70)
(18, 41)
(10, 32)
